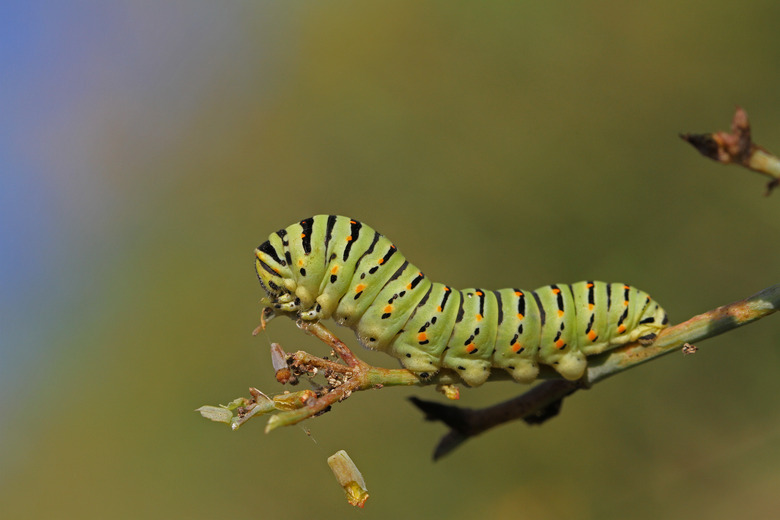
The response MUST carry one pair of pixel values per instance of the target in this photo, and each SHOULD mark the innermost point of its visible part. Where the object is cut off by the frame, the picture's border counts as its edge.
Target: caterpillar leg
(571, 365)
(412, 358)
(523, 370)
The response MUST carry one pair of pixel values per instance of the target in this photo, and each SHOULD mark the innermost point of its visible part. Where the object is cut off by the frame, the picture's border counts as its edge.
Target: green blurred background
(149, 147)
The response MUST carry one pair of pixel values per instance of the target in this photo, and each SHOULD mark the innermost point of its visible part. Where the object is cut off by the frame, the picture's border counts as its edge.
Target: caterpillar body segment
(335, 267)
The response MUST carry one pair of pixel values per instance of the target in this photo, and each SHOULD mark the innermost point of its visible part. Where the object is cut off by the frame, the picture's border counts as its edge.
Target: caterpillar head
(275, 278)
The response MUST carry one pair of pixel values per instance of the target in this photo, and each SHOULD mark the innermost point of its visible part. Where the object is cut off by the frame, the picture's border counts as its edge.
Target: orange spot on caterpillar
(518, 293)
(480, 293)
(303, 235)
(592, 335)
(479, 317)
(516, 347)
(556, 290)
(520, 316)
(359, 287)
(409, 286)
(349, 238)
(560, 314)
(353, 221)
(300, 262)
(381, 261)
(589, 285)
(590, 306)
(625, 303)
(388, 309)
(446, 288)
(438, 309)
(471, 348)
(334, 270)
(560, 344)
(621, 328)
(626, 287)
(422, 336)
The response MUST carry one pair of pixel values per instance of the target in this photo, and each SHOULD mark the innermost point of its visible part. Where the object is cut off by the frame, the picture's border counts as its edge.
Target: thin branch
(738, 148)
(534, 406)
(466, 423)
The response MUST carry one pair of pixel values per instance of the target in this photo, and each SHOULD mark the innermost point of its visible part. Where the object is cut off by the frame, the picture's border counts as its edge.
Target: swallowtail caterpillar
(335, 267)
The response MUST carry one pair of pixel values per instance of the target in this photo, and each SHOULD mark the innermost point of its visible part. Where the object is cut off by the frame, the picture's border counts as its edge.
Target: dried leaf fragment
(349, 478)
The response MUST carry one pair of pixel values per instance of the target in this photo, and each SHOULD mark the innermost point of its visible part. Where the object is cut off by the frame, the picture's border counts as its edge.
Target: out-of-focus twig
(737, 147)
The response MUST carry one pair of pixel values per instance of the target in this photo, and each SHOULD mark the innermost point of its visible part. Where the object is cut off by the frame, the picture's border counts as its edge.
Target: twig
(535, 406)
(737, 148)
(466, 423)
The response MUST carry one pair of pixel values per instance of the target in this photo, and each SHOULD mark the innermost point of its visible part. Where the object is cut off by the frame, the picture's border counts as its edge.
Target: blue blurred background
(148, 147)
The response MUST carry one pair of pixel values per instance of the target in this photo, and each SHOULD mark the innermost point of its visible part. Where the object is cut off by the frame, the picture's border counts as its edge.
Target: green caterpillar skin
(329, 266)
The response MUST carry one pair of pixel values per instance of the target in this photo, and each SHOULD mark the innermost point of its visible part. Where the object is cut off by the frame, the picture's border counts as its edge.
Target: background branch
(737, 147)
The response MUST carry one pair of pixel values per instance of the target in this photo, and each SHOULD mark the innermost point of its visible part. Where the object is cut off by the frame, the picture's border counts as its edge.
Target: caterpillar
(330, 266)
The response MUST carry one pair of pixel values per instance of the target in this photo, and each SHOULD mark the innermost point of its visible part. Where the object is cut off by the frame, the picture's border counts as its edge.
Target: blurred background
(148, 147)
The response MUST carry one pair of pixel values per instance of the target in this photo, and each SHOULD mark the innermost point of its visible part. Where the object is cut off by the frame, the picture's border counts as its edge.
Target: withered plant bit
(689, 348)
(738, 148)
(349, 478)
(266, 316)
(451, 392)
(293, 400)
(279, 362)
